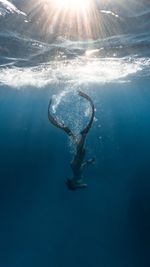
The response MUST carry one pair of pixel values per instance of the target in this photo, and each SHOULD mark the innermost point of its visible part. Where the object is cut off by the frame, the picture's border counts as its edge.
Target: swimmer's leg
(75, 184)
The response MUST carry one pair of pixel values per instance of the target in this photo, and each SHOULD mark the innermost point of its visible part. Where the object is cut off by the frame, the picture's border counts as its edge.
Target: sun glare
(72, 5)
(70, 18)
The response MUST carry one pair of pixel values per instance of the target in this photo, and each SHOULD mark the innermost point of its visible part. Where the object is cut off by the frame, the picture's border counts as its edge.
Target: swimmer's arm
(88, 162)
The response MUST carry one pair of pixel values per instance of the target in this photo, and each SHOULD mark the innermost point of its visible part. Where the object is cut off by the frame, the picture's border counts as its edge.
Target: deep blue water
(42, 223)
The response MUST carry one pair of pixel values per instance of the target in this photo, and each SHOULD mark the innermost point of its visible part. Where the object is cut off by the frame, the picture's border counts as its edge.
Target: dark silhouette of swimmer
(78, 163)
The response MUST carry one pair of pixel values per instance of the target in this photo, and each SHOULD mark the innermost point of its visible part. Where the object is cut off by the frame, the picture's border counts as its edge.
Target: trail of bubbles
(57, 99)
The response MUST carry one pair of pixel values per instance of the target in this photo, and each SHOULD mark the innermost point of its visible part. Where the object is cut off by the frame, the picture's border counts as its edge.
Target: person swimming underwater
(77, 164)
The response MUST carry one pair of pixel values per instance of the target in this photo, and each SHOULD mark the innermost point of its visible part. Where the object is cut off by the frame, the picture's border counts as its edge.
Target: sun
(72, 5)
(70, 18)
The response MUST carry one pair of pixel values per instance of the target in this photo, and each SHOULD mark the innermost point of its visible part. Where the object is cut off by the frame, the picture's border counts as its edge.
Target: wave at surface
(7, 7)
(29, 18)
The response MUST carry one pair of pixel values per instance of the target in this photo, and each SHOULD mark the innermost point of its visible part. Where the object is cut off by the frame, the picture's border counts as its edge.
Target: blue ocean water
(42, 223)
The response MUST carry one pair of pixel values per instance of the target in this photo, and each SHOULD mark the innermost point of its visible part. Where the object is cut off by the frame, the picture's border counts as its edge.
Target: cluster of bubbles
(71, 109)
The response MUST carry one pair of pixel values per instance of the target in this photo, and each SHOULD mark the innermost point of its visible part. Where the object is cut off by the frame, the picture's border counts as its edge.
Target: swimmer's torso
(76, 163)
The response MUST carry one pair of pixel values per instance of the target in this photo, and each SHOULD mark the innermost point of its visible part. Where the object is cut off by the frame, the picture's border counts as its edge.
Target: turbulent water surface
(42, 223)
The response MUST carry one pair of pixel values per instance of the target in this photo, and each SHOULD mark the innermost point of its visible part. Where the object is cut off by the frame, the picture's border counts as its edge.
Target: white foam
(74, 72)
